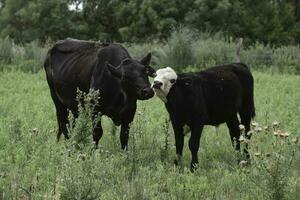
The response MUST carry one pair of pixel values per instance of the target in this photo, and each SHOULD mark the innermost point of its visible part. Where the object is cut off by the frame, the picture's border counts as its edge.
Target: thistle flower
(276, 133)
(275, 124)
(35, 131)
(295, 140)
(242, 139)
(258, 154)
(284, 134)
(242, 127)
(258, 129)
(243, 163)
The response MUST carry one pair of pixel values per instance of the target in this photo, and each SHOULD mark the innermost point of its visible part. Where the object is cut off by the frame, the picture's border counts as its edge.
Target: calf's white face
(163, 82)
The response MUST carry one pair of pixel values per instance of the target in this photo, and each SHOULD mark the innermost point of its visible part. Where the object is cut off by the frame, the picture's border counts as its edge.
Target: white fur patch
(164, 76)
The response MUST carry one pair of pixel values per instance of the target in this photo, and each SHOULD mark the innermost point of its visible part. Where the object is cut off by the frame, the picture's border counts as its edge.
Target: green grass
(33, 165)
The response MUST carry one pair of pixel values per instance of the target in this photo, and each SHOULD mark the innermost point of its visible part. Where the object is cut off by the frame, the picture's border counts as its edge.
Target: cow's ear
(185, 81)
(146, 60)
(150, 71)
(116, 71)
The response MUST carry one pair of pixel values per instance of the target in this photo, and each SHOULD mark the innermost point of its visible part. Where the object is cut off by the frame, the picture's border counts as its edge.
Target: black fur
(211, 97)
(121, 80)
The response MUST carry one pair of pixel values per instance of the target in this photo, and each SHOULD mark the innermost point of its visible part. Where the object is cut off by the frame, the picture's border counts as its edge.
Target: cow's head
(134, 76)
(164, 80)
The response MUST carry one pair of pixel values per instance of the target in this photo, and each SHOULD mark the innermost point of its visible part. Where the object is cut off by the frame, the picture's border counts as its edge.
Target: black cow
(209, 97)
(73, 64)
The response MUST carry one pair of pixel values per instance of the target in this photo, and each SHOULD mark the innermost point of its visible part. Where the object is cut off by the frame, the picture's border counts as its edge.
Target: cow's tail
(249, 101)
(251, 105)
(48, 67)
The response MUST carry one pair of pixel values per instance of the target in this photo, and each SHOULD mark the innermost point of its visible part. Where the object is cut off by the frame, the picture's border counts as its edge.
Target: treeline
(266, 21)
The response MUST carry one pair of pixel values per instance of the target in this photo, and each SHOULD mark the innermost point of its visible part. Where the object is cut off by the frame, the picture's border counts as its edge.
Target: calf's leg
(246, 120)
(194, 143)
(124, 135)
(179, 141)
(234, 130)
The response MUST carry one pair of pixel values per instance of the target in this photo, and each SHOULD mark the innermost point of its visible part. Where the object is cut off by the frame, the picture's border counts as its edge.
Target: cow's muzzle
(146, 93)
(157, 84)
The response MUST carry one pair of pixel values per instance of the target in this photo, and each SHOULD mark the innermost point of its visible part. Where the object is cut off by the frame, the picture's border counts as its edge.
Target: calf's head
(134, 76)
(164, 80)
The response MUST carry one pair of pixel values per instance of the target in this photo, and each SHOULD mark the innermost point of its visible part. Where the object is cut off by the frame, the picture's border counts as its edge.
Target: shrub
(6, 50)
(178, 52)
(81, 128)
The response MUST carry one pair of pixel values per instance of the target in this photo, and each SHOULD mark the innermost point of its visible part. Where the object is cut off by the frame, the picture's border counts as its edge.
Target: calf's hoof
(193, 167)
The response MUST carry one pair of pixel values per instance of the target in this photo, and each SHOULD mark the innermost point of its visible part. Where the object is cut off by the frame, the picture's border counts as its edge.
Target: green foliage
(81, 128)
(28, 58)
(178, 51)
(6, 50)
(275, 22)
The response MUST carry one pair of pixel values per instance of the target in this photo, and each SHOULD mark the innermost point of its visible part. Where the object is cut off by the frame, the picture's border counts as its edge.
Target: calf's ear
(185, 81)
(115, 71)
(146, 60)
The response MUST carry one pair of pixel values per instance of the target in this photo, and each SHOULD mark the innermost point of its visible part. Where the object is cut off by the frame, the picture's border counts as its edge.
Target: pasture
(34, 166)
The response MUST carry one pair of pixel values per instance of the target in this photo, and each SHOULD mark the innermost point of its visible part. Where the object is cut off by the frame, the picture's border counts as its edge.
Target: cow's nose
(147, 92)
(157, 84)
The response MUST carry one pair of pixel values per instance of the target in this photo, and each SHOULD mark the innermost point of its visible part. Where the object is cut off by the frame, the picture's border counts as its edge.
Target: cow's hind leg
(234, 130)
(246, 120)
(61, 114)
(194, 143)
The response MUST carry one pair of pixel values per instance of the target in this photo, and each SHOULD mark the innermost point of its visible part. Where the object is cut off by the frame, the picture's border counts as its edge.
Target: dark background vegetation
(275, 22)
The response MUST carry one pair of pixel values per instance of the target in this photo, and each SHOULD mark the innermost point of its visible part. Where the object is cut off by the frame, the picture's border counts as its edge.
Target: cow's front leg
(179, 141)
(194, 143)
(124, 134)
(97, 132)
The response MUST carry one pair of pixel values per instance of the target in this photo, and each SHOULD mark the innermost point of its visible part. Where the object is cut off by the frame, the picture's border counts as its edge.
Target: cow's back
(69, 65)
(222, 94)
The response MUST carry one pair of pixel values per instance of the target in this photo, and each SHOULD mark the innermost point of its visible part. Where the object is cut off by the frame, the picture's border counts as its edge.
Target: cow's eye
(172, 81)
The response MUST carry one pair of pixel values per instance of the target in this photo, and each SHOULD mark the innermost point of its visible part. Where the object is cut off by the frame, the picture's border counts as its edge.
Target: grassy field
(34, 166)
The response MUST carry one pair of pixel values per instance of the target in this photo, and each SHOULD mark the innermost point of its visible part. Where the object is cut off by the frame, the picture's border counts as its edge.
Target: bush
(6, 50)
(179, 50)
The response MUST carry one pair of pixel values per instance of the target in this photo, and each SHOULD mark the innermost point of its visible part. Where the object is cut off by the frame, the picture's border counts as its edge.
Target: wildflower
(276, 133)
(249, 133)
(243, 163)
(242, 127)
(34, 131)
(266, 128)
(295, 140)
(275, 124)
(242, 139)
(284, 134)
(258, 129)
(257, 154)
(254, 124)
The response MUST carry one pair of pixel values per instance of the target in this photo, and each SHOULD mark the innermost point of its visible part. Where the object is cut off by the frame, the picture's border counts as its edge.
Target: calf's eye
(172, 81)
